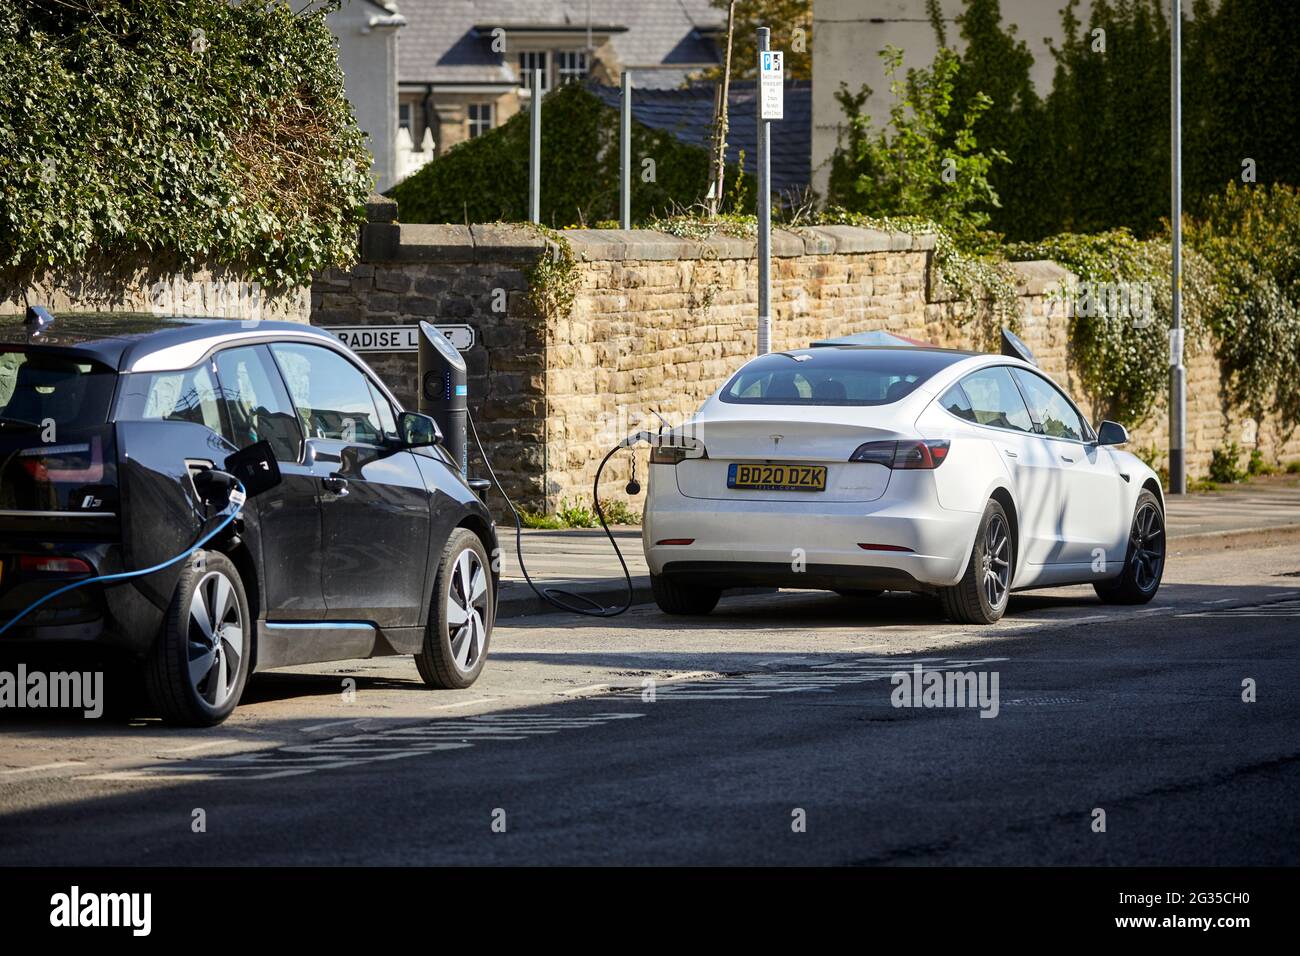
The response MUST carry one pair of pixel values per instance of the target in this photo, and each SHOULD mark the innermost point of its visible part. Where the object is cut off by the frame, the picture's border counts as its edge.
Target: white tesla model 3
(862, 469)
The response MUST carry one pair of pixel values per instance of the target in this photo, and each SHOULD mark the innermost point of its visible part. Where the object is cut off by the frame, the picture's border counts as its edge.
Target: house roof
(688, 115)
(661, 40)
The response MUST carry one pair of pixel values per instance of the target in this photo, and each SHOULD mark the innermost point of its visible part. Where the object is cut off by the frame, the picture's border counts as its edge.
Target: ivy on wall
(193, 130)
(1093, 153)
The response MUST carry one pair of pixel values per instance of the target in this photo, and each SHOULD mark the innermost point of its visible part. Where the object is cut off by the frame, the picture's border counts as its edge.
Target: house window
(480, 119)
(534, 60)
(571, 66)
(404, 116)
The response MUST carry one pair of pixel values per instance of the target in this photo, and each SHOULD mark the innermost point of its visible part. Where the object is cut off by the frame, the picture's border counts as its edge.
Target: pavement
(765, 733)
(583, 562)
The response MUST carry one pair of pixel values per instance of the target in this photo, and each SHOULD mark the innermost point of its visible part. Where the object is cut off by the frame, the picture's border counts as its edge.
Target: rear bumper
(820, 577)
(114, 615)
(811, 545)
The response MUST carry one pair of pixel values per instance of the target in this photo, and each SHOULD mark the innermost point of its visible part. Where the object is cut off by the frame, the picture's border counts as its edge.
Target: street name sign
(397, 338)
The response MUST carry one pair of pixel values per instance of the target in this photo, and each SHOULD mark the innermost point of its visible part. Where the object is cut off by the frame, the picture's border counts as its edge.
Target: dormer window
(571, 66)
(530, 60)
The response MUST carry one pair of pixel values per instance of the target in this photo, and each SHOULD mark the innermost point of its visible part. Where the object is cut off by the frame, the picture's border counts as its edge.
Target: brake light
(45, 564)
(82, 463)
(927, 454)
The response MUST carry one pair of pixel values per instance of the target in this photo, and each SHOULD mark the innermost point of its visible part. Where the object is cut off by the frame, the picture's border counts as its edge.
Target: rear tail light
(927, 454)
(82, 463)
(46, 564)
(681, 541)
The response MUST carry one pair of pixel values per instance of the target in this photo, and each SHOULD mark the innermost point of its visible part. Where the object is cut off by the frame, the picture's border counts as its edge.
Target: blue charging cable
(236, 505)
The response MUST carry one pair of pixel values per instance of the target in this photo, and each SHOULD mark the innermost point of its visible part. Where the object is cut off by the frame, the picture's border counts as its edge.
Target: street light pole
(764, 211)
(1177, 371)
(535, 151)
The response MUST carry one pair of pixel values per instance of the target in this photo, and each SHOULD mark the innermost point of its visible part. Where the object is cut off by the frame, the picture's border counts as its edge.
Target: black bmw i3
(337, 526)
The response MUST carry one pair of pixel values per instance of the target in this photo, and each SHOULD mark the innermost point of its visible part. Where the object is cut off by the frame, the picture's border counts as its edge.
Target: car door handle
(336, 484)
(1010, 453)
(1067, 458)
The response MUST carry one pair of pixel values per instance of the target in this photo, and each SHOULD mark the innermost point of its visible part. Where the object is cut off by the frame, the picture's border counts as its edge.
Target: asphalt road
(776, 710)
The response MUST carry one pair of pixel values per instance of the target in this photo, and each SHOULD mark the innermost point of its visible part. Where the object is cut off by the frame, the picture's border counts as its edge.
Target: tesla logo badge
(776, 439)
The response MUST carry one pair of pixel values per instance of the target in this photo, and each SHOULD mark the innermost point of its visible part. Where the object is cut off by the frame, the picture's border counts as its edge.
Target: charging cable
(236, 504)
(558, 597)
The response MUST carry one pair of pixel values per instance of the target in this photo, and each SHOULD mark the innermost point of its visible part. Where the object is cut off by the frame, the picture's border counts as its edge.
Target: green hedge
(197, 130)
(486, 179)
(1093, 153)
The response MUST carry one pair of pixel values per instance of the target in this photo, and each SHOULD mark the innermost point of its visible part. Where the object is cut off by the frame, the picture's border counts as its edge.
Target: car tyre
(676, 597)
(981, 596)
(464, 608)
(1144, 561)
(196, 672)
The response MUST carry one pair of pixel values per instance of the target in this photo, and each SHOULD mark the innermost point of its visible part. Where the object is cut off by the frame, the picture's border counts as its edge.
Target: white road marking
(333, 723)
(464, 703)
(202, 746)
(44, 766)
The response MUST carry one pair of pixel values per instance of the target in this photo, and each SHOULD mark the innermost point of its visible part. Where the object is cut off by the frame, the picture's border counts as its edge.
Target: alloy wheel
(996, 561)
(1147, 546)
(467, 610)
(215, 638)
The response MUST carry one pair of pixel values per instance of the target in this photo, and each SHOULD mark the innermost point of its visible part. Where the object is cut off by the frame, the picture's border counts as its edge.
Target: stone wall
(658, 323)
(206, 291)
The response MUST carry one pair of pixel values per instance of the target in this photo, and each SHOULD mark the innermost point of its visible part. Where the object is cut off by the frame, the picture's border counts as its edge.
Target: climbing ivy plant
(195, 130)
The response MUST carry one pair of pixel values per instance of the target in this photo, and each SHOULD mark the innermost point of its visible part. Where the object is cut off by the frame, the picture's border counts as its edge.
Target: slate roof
(664, 40)
(688, 115)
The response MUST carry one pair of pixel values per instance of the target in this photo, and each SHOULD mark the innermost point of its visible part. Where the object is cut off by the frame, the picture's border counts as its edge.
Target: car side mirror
(1112, 433)
(418, 431)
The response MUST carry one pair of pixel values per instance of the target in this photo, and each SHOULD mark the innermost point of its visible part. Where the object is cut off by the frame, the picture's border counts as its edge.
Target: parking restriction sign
(771, 72)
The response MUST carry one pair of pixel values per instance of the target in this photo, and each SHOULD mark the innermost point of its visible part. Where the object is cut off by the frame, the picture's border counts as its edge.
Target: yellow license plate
(777, 477)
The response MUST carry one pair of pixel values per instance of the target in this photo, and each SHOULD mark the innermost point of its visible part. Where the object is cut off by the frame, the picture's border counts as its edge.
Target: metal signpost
(771, 74)
(625, 153)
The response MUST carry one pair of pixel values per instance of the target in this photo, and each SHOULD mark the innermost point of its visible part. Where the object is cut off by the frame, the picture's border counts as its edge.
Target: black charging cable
(558, 597)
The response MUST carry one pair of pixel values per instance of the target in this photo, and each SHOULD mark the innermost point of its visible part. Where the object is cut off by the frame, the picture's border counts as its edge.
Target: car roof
(125, 340)
(884, 348)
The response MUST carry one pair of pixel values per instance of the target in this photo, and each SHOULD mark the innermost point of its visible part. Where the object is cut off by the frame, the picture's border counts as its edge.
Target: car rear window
(38, 387)
(56, 448)
(832, 376)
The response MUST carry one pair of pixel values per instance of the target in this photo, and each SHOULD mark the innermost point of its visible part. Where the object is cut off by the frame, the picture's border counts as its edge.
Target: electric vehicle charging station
(444, 391)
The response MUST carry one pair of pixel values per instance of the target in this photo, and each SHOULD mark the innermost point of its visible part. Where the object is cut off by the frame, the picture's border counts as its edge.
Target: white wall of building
(848, 35)
(367, 33)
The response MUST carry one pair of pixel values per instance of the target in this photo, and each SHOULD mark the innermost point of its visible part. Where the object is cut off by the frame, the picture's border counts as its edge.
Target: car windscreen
(831, 376)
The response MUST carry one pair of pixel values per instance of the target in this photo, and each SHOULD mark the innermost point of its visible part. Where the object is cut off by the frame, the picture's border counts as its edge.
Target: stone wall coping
(497, 242)
(1041, 277)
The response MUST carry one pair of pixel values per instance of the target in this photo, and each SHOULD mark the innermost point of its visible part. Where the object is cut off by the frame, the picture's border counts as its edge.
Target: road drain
(1042, 701)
